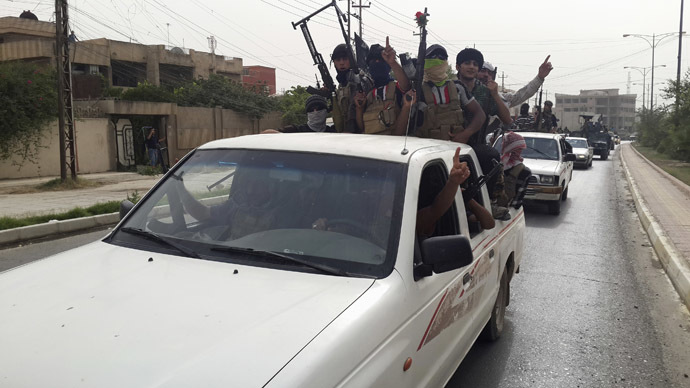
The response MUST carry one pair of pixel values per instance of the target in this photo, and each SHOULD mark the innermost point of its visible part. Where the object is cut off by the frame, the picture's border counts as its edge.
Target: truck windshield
(537, 148)
(578, 143)
(336, 211)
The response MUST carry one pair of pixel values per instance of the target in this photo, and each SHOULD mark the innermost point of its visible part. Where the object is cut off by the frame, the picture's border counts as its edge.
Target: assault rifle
(317, 57)
(537, 124)
(419, 74)
(473, 188)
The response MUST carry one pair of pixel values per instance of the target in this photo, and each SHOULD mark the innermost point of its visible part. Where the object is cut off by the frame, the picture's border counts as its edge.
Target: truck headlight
(547, 179)
(580, 156)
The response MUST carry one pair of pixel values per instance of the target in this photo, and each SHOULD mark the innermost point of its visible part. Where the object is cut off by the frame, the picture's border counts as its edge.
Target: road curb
(674, 264)
(25, 233)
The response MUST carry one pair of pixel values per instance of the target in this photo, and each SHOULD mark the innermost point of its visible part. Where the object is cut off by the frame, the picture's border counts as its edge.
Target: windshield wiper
(321, 267)
(158, 238)
(547, 156)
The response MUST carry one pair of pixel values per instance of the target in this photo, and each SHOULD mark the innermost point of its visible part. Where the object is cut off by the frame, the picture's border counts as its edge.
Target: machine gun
(317, 58)
(419, 73)
(358, 78)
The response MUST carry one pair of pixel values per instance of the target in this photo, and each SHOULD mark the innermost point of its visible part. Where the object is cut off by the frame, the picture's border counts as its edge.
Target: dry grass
(679, 169)
(57, 185)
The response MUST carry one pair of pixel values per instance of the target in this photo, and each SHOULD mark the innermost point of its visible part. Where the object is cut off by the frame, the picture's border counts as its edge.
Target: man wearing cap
(344, 112)
(317, 111)
(443, 117)
(378, 113)
(468, 63)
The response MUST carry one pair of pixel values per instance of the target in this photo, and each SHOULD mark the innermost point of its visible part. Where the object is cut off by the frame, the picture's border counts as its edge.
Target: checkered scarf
(513, 144)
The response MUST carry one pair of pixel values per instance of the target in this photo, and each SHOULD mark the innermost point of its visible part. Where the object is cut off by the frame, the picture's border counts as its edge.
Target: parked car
(551, 164)
(271, 261)
(584, 153)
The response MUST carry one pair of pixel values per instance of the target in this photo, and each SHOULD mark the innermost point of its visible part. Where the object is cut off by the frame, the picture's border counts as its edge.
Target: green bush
(28, 103)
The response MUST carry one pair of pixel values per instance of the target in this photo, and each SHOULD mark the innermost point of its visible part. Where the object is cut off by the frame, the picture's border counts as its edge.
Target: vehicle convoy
(548, 156)
(601, 141)
(271, 261)
(596, 134)
(584, 153)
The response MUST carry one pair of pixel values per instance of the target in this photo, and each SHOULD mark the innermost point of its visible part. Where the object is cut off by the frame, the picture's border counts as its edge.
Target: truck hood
(542, 166)
(581, 151)
(108, 316)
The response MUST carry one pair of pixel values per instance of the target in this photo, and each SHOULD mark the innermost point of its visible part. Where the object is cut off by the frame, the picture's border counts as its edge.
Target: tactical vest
(441, 121)
(341, 107)
(379, 118)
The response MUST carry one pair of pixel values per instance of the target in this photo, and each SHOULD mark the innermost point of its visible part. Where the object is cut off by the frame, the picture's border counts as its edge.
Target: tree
(292, 106)
(215, 91)
(28, 103)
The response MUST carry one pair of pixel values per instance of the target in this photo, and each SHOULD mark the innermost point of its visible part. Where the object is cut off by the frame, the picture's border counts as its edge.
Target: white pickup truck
(282, 260)
(550, 159)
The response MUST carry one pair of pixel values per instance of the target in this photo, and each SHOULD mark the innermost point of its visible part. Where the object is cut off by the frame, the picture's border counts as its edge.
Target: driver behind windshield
(246, 211)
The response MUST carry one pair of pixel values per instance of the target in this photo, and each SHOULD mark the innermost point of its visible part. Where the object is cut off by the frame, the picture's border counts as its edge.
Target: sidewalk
(116, 186)
(663, 205)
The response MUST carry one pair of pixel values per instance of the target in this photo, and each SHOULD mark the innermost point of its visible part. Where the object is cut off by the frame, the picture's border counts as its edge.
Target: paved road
(592, 306)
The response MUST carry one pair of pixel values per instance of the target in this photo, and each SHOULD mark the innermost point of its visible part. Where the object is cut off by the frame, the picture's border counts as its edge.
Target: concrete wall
(97, 145)
(95, 152)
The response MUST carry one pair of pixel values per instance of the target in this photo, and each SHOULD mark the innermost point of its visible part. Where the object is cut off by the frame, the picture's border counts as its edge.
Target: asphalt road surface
(591, 306)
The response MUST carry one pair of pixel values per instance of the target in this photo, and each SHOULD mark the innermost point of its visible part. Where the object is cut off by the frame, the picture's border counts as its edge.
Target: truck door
(449, 299)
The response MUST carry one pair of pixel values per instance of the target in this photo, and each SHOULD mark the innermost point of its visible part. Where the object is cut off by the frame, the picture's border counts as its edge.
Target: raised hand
(545, 68)
(459, 172)
(388, 53)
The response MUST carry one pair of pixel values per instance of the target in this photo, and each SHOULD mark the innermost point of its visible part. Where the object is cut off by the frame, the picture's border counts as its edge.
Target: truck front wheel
(494, 328)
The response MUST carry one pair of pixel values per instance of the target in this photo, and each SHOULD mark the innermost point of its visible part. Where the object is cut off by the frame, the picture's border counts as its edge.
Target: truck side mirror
(446, 253)
(569, 157)
(125, 207)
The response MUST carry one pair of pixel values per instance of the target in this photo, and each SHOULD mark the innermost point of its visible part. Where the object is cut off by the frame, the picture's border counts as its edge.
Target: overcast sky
(584, 38)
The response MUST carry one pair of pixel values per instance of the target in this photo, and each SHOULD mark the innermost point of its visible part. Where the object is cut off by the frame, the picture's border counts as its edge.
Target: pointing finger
(387, 43)
(547, 58)
(456, 157)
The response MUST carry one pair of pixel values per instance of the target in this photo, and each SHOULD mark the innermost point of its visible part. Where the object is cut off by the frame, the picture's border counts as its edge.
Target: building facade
(103, 62)
(260, 77)
(617, 110)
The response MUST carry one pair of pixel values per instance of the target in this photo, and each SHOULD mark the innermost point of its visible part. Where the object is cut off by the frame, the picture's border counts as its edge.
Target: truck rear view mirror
(446, 253)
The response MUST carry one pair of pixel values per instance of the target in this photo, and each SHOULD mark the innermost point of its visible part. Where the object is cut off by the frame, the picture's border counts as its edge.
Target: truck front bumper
(543, 193)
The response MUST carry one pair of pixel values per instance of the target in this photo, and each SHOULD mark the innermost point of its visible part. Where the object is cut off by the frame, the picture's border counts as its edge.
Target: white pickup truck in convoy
(281, 260)
(550, 159)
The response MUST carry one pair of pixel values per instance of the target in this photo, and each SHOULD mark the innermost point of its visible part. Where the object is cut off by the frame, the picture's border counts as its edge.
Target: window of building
(566, 101)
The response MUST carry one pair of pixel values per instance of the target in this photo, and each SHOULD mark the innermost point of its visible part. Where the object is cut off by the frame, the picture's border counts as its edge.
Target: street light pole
(643, 71)
(656, 39)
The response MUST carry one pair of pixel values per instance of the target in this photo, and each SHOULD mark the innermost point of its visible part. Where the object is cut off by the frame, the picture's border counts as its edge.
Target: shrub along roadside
(77, 212)
(677, 168)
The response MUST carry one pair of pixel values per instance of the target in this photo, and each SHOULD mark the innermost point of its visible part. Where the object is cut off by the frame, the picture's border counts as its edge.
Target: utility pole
(64, 75)
(168, 25)
(503, 79)
(680, 46)
(360, 6)
(212, 45)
